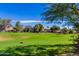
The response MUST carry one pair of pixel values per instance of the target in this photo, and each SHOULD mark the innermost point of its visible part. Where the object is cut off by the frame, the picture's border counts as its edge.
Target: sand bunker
(24, 37)
(5, 37)
(8, 37)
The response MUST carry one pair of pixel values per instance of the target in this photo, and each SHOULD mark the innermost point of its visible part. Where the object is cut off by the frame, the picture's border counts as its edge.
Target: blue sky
(20, 11)
(26, 13)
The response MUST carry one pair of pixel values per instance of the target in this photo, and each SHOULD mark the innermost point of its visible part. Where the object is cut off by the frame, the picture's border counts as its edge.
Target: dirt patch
(24, 37)
(8, 37)
(5, 37)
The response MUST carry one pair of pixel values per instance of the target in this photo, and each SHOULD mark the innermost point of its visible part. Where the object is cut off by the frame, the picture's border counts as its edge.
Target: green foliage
(71, 31)
(64, 31)
(76, 27)
(76, 45)
(34, 50)
(18, 26)
(62, 12)
(38, 28)
(54, 29)
(5, 21)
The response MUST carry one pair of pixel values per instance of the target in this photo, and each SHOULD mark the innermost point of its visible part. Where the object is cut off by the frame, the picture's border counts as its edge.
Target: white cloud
(29, 21)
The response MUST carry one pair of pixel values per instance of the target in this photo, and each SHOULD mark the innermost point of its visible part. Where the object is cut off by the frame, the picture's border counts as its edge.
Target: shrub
(54, 29)
(71, 31)
(64, 30)
(76, 45)
(34, 51)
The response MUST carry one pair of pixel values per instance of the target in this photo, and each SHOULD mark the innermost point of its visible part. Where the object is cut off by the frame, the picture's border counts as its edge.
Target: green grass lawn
(9, 39)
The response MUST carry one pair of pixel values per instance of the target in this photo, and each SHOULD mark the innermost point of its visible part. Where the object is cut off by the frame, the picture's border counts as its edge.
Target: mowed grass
(10, 39)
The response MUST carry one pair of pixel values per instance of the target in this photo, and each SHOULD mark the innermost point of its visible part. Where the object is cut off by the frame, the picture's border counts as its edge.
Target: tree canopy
(38, 27)
(18, 26)
(68, 12)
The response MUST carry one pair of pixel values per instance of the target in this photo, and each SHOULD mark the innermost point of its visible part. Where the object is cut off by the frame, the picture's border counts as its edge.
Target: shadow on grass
(59, 45)
(37, 50)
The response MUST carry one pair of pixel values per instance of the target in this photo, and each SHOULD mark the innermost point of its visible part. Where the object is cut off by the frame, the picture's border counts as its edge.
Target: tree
(64, 30)
(18, 26)
(68, 12)
(76, 27)
(38, 28)
(4, 23)
(76, 45)
(71, 31)
(54, 29)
